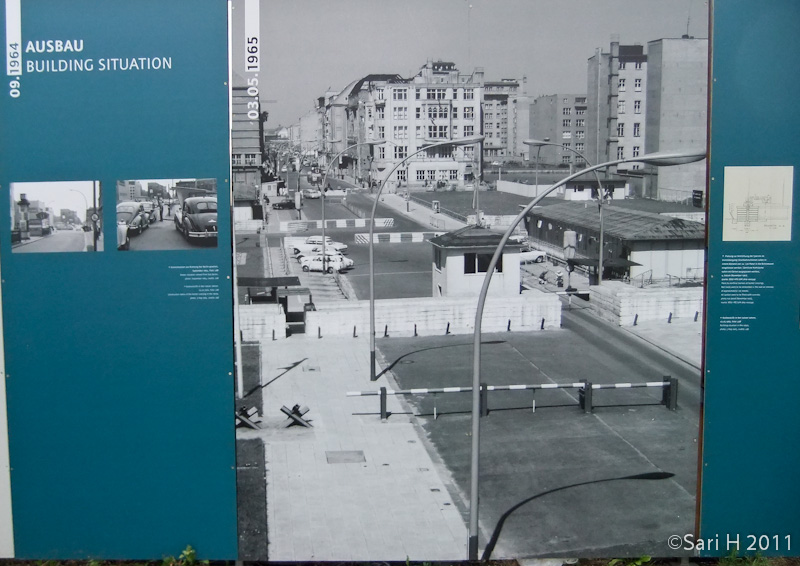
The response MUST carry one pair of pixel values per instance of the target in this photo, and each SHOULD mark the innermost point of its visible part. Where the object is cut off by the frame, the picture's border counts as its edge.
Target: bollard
(447, 331)
(533, 403)
(635, 319)
(354, 332)
(542, 328)
(585, 397)
(696, 313)
(319, 332)
(669, 320)
(384, 415)
(669, 396)
(508, 328)
(386, 331)
(415, 330)
(484, 401)
(273, 334)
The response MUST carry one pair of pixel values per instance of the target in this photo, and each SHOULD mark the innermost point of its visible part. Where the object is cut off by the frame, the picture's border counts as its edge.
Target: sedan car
(283, 205)
(312, 193)
(315, 263)
(532, 256)
(131, 215)
(332, 255)
(317, 241)
(197, 218)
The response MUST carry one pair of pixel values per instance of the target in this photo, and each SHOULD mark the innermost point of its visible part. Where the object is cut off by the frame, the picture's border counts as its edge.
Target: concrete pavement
(352, 487)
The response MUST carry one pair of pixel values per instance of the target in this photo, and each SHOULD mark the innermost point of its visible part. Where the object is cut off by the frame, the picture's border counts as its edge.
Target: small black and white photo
(166, 214)
(56, 217)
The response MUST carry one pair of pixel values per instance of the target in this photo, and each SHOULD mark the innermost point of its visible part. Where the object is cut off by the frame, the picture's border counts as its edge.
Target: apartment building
(560, 119)
(506, 120)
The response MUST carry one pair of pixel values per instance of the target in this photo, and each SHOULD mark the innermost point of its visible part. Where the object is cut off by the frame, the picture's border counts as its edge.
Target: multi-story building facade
(617, 101)
(506, 120)
(677, 106)
(436, 105)
(247, 142)
(129, 190)
(559, 119)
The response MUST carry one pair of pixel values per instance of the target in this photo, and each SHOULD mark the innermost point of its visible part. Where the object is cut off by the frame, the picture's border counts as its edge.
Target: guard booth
(286, 291)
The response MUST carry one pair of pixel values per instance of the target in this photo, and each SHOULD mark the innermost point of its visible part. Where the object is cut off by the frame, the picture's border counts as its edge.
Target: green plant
(187, 558)
(630, 561)
(733, 559)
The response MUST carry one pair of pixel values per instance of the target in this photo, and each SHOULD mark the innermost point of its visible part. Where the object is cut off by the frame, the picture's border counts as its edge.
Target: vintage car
(197, 218)
(150, 210)
(315, 263)
(332, 255)
(314, 242)
(531, 255)
(312, 193)
(287, 204)
(133, 218)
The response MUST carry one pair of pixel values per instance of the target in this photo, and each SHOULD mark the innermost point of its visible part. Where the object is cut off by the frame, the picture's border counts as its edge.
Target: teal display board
(750, 490)
(118, 361)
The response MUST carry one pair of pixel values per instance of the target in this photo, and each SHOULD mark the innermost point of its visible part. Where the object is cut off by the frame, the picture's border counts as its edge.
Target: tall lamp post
(369, 143)
(600, 197)
(459, 142)
(657, 159)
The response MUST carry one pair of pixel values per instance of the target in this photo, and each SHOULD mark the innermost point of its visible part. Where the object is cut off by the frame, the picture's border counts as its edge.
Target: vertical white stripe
(13, 36)
(6, 519)
(252, 23)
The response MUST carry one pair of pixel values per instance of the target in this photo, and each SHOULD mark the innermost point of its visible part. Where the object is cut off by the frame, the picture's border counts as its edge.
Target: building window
(469, 131)
(488, 115)
(566, 135)
(580, 123)
(621, 84)
(381, 133)
(379, 93)
(636, 151)
(455, 113)
(489, 134)
(454, 174)
(455, 94)
(419, 132)
(469, 112)
(621, 107)
(418, 93)
(621, 65)
(437, 132)
(369, 112)
(379, 114)
(437, 112)
(637, 106)
(636, 132)
(237, 160)
(430, 175)
(638, 65)
(381, 153)
(400, 112)
(566, 123)
(565, 159)
(401, 175)
(436, 94)
(580, 100)
(566, 111)
(637, 84)
(401, 132)
(400, 151)
(620, 130)
(421, 177)
(620, 152)
(579, 159)
(479, 263)
(418, 112)
(580, 134)
(565, 100)
(579, 146)
(399, 94)
(469, 94)
(580, 111)
(455, 131)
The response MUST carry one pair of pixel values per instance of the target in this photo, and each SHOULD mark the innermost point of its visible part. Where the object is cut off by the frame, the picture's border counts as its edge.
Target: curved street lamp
(369, 143)
(600, 198)
(660, 159)
(458, 142)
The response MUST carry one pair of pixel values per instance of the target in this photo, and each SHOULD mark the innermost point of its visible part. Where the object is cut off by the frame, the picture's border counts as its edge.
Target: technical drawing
(758, 203)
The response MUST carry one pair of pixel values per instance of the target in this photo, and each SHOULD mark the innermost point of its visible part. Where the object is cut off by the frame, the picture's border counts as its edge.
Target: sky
(310, 46)
(69, 195)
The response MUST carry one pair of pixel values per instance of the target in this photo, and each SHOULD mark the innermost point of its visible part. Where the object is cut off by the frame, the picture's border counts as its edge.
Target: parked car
(150, 210)
(197, 218)
(287, 204)
(532, 256)
(317, 240)
(332, 255)
(315, 263)
(131, 215)
(312, 193)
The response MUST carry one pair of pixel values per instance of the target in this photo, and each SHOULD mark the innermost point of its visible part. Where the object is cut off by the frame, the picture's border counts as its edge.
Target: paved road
(162, 235)
(525, 455)
(59, 241)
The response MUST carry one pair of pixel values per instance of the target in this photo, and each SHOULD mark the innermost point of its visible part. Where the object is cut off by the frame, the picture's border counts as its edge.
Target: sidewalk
(352, 487)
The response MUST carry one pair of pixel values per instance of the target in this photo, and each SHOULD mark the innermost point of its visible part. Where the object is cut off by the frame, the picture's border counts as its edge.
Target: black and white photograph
(469, 242)
(166, 214)
(59, 216)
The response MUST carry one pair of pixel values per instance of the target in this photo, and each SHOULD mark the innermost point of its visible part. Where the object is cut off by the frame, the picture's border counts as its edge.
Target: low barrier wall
(262, 322)
(533, 310)
(624, 304)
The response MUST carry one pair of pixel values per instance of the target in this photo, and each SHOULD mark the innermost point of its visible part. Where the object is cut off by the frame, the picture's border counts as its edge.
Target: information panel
(115, 239)
(751, 423)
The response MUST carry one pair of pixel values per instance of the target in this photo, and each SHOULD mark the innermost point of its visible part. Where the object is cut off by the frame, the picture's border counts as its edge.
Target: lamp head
(539, 143)
(667, 158)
